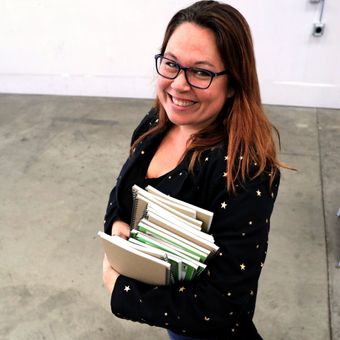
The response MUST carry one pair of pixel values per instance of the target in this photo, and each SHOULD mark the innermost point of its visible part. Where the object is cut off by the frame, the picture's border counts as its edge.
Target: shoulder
(212, 164)
(149, 121)
(211, 176)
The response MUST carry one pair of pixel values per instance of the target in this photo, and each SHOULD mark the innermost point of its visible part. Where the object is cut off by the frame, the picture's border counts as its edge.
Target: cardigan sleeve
(112, 210)
(222, 297)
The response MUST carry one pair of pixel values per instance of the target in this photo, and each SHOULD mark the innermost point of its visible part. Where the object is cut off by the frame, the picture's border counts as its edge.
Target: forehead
(191, 43)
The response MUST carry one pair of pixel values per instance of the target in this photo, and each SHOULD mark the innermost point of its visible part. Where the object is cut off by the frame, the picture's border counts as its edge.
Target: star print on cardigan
(243, 266)
(251, 256)
(182, 289)
(206, 160)
(127, 288)
(223, 205)
(258, 193)
(225, 174)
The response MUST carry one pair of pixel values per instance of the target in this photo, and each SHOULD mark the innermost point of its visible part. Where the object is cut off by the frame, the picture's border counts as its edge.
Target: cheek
(162, 84)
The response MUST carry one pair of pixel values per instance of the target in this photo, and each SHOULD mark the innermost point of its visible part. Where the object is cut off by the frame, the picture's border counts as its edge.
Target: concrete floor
(59, 157)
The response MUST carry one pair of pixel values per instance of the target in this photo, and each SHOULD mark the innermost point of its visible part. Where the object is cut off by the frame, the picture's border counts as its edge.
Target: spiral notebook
(168, 240)
(135, 263)
(194, 216)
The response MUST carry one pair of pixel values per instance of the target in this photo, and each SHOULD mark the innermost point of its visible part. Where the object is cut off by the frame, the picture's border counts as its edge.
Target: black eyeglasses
(195, 76)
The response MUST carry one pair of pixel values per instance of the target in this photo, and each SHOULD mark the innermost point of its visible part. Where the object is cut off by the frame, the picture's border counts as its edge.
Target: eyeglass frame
(185, 69)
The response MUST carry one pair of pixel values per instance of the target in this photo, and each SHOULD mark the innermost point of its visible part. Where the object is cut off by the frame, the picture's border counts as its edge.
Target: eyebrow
(197, 63)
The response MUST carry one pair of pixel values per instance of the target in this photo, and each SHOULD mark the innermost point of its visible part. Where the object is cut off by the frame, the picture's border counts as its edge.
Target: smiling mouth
(181, 102)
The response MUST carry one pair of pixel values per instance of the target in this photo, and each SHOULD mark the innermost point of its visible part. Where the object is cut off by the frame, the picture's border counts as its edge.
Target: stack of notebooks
(169, 240)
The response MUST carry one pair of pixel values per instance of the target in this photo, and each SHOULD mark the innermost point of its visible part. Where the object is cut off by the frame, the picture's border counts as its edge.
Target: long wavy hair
(241, 124)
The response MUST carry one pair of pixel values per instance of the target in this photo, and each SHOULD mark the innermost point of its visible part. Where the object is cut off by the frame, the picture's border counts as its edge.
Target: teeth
(182, 102)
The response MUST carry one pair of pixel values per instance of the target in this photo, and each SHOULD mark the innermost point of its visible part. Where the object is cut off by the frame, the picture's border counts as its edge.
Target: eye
(170, 64)
(201, 73)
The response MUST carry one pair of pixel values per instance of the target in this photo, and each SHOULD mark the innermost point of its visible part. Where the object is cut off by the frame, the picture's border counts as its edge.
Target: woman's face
(193, 46)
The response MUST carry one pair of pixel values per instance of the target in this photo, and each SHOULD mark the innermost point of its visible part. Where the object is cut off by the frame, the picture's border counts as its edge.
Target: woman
(207, 142)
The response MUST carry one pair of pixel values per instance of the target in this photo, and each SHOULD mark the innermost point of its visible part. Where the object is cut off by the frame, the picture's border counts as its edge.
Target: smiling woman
(186, 106)
(206, 142)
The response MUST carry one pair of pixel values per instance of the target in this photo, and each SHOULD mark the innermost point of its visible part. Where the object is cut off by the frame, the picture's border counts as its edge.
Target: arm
(226, 292)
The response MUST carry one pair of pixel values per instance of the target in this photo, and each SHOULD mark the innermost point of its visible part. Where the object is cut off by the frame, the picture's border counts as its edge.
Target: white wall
(106, 48)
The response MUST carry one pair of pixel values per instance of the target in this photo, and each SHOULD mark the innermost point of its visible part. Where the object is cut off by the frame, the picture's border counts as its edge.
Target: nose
(180, 83)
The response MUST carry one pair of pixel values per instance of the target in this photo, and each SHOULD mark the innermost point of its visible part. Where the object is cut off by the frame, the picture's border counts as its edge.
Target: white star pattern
(225, 174)
(243, 266)
(127, 288)
(223, 205)
(182, 289)
(258, 192)
(206, 160)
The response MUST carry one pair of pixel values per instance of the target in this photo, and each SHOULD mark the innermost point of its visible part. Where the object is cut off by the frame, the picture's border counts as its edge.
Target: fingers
(106, 263)
(121, 229)
(109, 275)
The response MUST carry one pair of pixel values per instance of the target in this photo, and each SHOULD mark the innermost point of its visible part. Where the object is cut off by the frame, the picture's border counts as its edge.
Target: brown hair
(242, 120)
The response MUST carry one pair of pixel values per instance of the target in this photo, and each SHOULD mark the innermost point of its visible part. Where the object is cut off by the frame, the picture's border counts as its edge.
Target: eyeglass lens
(196, 77)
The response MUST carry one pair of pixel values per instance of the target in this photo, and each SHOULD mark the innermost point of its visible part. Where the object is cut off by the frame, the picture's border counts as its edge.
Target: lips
(182, 102)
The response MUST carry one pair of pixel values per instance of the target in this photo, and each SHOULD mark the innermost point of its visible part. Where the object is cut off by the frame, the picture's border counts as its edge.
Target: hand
(109, 275)
(121, 229)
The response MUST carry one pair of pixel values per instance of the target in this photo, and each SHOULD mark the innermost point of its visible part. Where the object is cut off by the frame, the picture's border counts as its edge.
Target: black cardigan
(220, 303)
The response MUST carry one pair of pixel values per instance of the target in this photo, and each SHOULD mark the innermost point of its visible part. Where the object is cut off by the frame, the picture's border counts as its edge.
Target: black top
(220, 303)
(137, 176)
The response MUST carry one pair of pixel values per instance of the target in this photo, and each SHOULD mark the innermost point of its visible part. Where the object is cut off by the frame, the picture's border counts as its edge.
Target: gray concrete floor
(59, 157)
